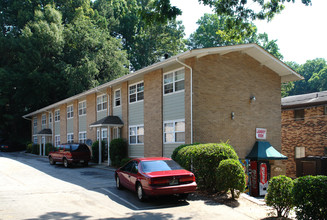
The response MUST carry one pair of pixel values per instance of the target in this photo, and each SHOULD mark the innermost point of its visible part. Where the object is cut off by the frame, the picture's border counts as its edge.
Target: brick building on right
(304, 128)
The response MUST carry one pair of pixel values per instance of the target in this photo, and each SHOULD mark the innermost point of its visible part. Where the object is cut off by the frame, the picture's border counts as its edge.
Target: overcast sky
(300, 30)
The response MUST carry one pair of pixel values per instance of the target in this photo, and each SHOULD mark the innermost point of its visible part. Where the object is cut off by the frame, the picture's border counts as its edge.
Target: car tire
(86, 164)
(51, 161)
(118, 185)
(140, 192)
(66, 164)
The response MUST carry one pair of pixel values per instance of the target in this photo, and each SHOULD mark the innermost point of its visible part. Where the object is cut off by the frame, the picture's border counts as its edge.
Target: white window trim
(172, 121)
(56, 140)
(102, 103)
(57, 110)
(50, 118)
(45, 121)
(72, 111)
(129, 134)
(116, 106)
(69, 135)
(79, 136)
(135, 84)
(116, 133)
(299, 151)
(104, 130)
(163, 82)
(82, 108)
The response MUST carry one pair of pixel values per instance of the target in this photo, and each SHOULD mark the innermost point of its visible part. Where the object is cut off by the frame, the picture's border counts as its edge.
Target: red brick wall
(310, 133)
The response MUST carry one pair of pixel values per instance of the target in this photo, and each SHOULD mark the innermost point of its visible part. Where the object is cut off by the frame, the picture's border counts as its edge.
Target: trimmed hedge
(310, 197)
(95, 151)
(29, 148)
(118, 151)
(279, 195)
(231, 177)
(35, 149)
(203, 160)
(48, 148)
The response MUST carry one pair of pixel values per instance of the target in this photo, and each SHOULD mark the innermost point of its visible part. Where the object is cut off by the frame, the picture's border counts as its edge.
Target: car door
(125, 173)
(133, 175)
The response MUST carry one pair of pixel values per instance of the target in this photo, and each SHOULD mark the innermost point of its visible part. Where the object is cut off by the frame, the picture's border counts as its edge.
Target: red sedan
(154, 177)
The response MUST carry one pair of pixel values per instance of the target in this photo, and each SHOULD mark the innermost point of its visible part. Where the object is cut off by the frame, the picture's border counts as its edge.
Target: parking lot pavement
(33, 189)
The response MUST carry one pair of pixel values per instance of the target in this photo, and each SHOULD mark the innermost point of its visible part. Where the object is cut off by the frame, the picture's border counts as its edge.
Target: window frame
(136, 93)
(50, 117)
(102, 102)
(84, 137)
(57, 140)
(35, 139)
(173, 132)
(43, 120)
(57, 116)
(70, 138)
(299, 114)
(70, 111)
(301, 152)
(173, 82)
(82, 108)
(117, 98)
(136, 134)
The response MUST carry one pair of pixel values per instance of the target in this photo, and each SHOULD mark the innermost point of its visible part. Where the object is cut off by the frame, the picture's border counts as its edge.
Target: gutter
(191, 95)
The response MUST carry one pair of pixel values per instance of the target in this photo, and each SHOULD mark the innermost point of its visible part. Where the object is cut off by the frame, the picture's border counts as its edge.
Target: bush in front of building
(203, 160)
(29, 148)
(35, 149)
(95, 151)
(48, 148)
(231, 177)
(310, 197)
(279, 195)
(118, 151)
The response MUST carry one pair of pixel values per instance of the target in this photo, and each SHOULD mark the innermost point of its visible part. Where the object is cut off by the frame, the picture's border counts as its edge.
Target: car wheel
(85, 163)
(51, 161)
(183, 196)
(66, 164)
(118, 185)
(140, 192)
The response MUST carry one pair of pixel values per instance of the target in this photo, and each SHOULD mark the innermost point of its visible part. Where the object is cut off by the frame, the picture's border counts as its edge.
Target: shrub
(203, 160)
(309, 194)
(231, 177)
(48, 148)
(35, 149)
(29, 148)
(95, 151)
(175, 155)
(279, 195)
(118, 151)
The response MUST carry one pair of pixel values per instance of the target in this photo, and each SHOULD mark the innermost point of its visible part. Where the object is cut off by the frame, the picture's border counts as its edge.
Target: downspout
(191, 95)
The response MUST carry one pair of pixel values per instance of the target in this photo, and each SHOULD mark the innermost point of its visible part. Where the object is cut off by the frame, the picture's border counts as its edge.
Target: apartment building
(203, 95)
(304, 130)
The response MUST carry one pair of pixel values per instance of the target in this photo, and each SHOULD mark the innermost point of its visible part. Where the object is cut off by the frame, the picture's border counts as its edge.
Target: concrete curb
(253, 199)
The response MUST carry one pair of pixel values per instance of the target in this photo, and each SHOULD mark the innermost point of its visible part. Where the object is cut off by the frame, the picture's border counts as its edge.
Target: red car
(155, 176)
(69, 154)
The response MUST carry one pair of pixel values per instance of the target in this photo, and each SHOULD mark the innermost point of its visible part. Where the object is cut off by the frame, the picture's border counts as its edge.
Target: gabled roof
(310, 99)
(255, 51)
(262, 150)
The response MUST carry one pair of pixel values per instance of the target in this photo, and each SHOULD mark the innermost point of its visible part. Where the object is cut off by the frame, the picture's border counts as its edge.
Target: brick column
(124, 104)
(63, 123)
(91, 116)
(153, 140)
(76, 120)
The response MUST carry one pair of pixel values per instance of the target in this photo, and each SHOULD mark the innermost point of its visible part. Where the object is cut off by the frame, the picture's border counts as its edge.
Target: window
(57, 115)
(117, 98)
(136, 92)
(50, 118)
(82, 137)
(116, 133)
(82, 108)
(70, 138)
(104, 135)
(174, 131)
(44, 120)
(34, 139)
(136, 134)
(174, 81)
(57, 140)
(299, 152)
(299, 115)
(70, 112)
(102, 102)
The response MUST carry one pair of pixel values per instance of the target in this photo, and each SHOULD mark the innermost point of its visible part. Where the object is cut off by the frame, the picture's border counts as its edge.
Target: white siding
(174, 106)
(136, 150)
(136, 113)
(82, 123)
(57, 128)
(168, 149)
(70, 125)
(101, 114)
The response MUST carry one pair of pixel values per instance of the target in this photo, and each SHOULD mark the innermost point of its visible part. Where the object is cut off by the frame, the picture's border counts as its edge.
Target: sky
(300, 30)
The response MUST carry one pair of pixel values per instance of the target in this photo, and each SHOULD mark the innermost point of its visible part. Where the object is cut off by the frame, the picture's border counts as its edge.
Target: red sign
(263, 173)
(261, 133)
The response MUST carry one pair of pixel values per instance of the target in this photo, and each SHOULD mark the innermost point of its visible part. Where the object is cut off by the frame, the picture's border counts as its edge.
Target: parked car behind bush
(203, 160)
(279, 195)
(310, 197)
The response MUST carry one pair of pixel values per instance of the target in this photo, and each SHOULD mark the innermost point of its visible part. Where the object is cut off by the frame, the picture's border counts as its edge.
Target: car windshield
(159, 165)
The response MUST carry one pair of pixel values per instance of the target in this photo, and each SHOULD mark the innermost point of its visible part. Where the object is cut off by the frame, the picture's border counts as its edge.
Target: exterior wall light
(252, 98)
(232, 115)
